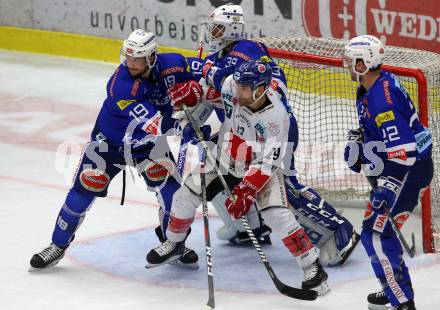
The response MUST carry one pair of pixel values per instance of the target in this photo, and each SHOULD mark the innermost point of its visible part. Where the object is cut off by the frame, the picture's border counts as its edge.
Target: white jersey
(252, 139)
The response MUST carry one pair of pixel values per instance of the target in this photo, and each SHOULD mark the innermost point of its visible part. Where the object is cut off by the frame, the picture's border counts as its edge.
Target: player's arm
(267, 157)
(195, 66)
(400, 153)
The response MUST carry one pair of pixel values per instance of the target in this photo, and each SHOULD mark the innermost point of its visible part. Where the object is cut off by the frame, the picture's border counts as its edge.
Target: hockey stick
(211, 302)
(410, 250)
(284, 289)
(184, 144)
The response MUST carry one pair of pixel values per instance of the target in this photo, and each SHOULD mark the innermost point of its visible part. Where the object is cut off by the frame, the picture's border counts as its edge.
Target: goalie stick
(284, 289)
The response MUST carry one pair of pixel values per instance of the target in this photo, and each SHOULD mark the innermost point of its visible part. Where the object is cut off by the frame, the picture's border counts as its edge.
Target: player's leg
(160, 175)
(380, 241)
(329, 231)
(183, 209)
(272, 203)
(233, 230)
(91, 180)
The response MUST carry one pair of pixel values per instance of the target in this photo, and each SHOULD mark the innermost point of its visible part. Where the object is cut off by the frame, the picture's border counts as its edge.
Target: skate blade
(379, 307)
(168, 261)
(191, 266)
(33, 269)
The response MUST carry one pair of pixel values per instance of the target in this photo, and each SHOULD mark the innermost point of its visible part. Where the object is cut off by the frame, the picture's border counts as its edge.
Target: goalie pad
(329, 231)
(233, 230)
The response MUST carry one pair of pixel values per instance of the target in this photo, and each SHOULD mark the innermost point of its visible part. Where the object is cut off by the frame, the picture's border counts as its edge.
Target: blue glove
(354, 141)
(385, 193)
(189, 135)
(214, 76)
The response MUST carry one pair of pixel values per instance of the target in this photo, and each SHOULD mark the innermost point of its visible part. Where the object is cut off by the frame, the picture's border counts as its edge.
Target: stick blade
(297, 293)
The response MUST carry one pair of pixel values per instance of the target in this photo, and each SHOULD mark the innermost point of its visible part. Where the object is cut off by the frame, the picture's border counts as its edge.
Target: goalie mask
(140, 44)
(367, 48)
(225, 24)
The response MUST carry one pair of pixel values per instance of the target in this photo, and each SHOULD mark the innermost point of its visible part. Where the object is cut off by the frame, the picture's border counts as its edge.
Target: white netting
(323, 101)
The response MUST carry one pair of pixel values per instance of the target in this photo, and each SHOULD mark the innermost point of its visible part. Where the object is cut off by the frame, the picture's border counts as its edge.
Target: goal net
(323, 98)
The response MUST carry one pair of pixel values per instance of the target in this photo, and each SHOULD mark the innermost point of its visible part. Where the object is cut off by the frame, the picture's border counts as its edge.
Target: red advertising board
(407, 23)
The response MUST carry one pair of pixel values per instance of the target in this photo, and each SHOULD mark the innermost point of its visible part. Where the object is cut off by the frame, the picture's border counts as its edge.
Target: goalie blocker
(329, 231)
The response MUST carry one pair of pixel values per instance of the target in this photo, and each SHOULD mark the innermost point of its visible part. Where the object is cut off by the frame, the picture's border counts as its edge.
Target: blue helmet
(254, 73)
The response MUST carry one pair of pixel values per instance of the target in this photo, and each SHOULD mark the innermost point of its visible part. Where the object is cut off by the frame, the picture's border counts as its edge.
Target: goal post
(322, 95)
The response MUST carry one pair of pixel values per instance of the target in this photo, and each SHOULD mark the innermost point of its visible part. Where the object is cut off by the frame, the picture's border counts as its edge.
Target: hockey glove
(189, 93)
(244, 196)
(215, 76)
(354, 142)
(185, 130)
(385, 193)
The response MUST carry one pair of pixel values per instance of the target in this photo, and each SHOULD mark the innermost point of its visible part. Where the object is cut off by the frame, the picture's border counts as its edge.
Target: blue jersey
(387, 114)
(144, 101)
(170, 69)
(240, 52)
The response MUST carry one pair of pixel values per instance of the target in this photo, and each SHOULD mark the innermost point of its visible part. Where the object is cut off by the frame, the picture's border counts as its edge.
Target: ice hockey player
(137, 108)
(250, 151)
(332, 233)
(399, 170)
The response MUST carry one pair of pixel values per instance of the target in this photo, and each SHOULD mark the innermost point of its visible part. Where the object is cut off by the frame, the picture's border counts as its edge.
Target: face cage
(216, 27)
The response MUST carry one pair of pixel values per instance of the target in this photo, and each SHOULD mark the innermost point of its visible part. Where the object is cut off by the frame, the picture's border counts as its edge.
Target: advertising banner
(414, 24)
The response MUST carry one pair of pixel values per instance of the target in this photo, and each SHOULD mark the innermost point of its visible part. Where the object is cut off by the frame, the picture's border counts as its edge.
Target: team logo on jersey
(122, 104)
(384, 117)
(159, 170)
(94, 180)
(273, 128)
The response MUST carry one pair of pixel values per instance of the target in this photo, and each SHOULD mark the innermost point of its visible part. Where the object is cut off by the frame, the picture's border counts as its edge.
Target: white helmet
(229, 22)
(140, 44)
(367, 48)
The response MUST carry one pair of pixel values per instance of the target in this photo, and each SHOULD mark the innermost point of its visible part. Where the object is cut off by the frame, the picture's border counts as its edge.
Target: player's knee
(184, 203)
(157, 172)
(93, 181)
(280, 219)
(79, 201)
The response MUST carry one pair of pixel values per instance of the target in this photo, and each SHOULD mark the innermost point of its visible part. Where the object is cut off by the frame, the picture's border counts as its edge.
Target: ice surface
(48, 105)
